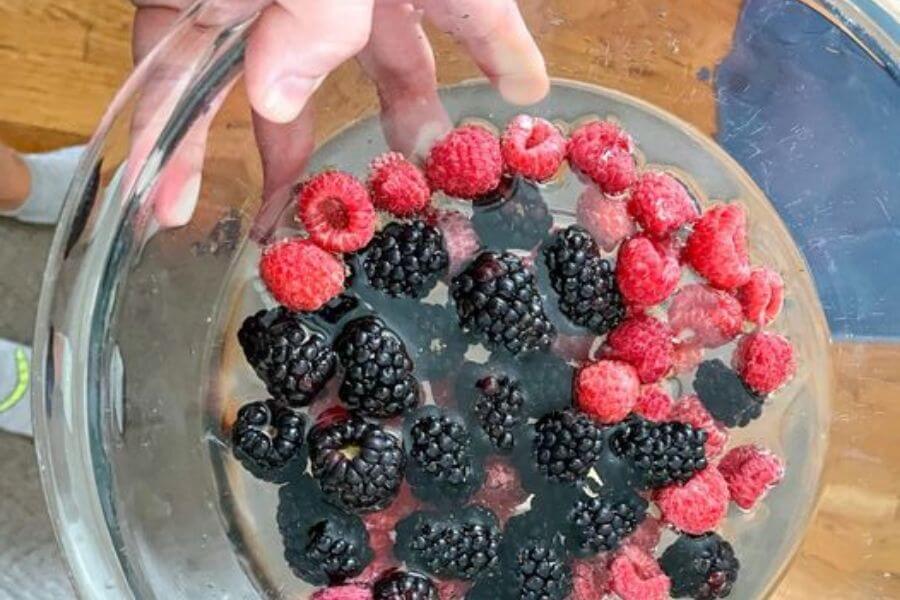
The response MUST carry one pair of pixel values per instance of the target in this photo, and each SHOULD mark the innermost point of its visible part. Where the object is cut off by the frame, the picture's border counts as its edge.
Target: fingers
(496, 36)
(294, 45)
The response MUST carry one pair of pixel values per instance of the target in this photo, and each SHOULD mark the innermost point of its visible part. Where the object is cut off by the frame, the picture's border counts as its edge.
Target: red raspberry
(452, 590)
(750, 471)
(466, 163)
(762, 296)
(698, 505)
(606, 390)
(532, 147)
(690, 410)
(703, 316)
(352, 591)
(590, 577)
(460, 239)
(602, 151)
(397, 185)
(717, 248)
(646, 344)
(764, 360)
(661, 205)
(647, 271)
(647, 535)
(653, 403)
(686, 358)
(635, 575)
(337, 212)
(605, 218)
(502, 490)
(300, 275)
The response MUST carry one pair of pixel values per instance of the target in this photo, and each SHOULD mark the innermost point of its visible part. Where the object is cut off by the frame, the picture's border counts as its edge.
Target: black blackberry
(441, 448)
(403, 585)
(358, 464)
(601, 523)
(498, 405)
(338, 308)
(725, 395)
(702, 567)
(584, 281)
(460, 545)
(496, 297)
(378, 379)
(663, 453)
(292, 360)
(541, 570)
(405, 259)
(267, 438)
(514, 217)
(545, 377)
(566, 445)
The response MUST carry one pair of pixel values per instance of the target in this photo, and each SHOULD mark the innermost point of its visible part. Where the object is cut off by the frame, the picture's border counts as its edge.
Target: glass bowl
(138, 373)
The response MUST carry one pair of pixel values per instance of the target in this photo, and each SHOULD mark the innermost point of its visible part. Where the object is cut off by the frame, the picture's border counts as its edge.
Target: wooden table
(62, 60)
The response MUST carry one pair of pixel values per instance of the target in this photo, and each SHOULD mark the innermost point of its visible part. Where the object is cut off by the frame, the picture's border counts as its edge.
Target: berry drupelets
(397, 185)
(268, 439)
(601, 523)
(601, 150)
(702, 567)
(405, 259)
(664, 452)
(466, 163)
(300, 275)
(498, 405)
(403, 585)
(532, 147)
(336, 211)
(566, 445)
(442, 462)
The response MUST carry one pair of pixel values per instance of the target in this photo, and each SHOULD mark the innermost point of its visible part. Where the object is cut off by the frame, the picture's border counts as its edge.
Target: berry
(717, 248)
(584, 281)
(646, 344)
(440, 448)
(662, 453)
(703, 567)
(405, 259)
(357, 464)
(692, 411)
(590, 578)
(762, 296)
(725, 396)
(268, 439)
(336, 211)
(397, 185)
(606, 390)
(352, 591)
(686, 358)
(498, 405)
(466, 163)
(606, 218)
(647, 535)
(601, 523)
(515, 216)
(334, 551)
(293, 361)
(635, 575)
(661, 205)
(698, 505)
(532, 147)
(541, 570)
(378, 379)
(497, 298)
(704, 316)
(460, 545)
(750, 471)
(401, 585)
(653, 403)
(602, 151)
(647, 271)
(764, 360)
(460, 239)
(566, 445)
(300, 275)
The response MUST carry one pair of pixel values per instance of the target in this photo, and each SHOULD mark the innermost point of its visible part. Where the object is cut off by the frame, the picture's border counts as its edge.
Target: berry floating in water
(268, 440)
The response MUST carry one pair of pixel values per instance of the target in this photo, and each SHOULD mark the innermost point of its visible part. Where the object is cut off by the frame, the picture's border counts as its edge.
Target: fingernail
(523, 88)
(286, 96)
(180, 213)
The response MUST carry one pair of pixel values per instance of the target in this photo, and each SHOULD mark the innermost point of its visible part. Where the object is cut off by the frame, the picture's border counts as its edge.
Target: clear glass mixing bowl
(137, 369)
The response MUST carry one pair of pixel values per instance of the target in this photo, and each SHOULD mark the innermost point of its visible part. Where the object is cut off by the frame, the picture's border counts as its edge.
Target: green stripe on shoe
(22, 378)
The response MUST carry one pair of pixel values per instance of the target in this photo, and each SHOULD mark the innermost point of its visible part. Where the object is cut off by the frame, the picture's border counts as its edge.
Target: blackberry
(378, 379)
(267, 438)
(584, 281)
(541, 570)
(441, 448)
(663, 453)
(514, 217)
(358, 464)
(566, 445)
(459, 546)
(725, 395)
(405, 259)
(403, 585)
(498, 406)
(601, 523)
(545, 377)
(496, 297)
(292, 360)
(702, 567)
(338, 308)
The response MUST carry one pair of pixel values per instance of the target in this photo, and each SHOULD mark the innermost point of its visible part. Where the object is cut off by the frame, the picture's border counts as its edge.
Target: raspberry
(460, 239)
(647, 535)
(532, 147)
(466, 163)
(686, 358)
(336, 211)
(635, 575)
(590, 578)
(704, 316)
(653, 403)
(750, 471)
(602, 151)
(762, 296)
(344, 592)
(646, 344)
(661, 205)
(607, 390)
(300, 275)
(647, 271)
(691, 411)
(764, 360)
(397, 185)
(717, 248)
(697, 506)
(605, 218)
